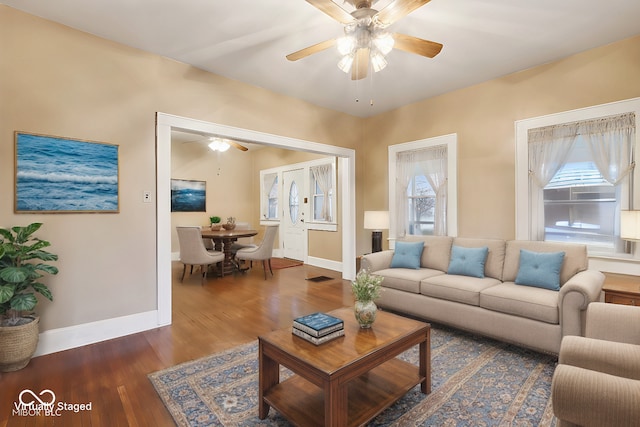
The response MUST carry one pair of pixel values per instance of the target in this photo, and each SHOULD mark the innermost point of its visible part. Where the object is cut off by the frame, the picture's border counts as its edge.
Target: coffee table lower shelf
(303, 403)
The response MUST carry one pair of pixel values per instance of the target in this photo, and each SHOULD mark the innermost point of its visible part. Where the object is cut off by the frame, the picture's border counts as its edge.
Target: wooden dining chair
(263, 252)
(193, 251)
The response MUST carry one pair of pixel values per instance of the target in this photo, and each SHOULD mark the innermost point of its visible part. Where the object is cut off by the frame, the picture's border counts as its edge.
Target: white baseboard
(325, 263)
(61, 339)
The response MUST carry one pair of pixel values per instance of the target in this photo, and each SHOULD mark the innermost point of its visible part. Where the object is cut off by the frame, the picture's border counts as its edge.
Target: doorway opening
(165, 123)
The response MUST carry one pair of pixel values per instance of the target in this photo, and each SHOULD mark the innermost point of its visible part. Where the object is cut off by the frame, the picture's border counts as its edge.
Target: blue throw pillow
(407, 255)
(468, 261)
(540, 269)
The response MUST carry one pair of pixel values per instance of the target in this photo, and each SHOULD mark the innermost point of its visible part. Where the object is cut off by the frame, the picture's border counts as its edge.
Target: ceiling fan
(366, 40)
(219, 144)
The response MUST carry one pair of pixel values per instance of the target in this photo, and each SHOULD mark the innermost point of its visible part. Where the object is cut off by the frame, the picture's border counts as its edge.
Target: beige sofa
(493, 305)
(597, 380)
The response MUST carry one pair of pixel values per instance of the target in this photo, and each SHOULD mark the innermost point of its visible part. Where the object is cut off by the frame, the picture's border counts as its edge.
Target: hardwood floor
(112, 375)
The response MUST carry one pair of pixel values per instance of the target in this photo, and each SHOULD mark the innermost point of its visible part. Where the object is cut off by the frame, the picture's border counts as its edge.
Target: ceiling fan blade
(415, 45)
(235, 144)
(332, 9)
(303, 53)
(398, 9)
(360, 64)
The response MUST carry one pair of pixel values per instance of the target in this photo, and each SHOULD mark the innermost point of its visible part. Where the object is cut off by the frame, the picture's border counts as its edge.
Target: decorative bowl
(228, 226)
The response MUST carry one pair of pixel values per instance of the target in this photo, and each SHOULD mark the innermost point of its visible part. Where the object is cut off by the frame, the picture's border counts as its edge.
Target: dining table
(223, 240)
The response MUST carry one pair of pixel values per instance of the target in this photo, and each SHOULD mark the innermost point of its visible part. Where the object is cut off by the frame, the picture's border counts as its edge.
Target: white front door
(294, 230)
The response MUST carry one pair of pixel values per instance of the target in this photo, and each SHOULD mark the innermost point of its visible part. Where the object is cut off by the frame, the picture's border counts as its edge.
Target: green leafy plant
(367, 286)
(215, 219)
(22, 264)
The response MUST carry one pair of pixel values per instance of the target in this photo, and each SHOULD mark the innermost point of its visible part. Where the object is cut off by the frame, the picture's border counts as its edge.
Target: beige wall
(483, 116)
(58, 81)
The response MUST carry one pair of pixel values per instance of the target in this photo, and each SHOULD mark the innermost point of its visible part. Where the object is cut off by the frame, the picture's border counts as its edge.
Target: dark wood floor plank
(222, 314)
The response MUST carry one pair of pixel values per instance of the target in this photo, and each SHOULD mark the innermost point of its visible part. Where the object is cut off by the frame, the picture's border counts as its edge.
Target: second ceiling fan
(366, 41)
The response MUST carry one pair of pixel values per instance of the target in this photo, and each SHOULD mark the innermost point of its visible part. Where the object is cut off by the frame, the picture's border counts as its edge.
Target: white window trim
(605, 263)
(451, 141)
(311, 225)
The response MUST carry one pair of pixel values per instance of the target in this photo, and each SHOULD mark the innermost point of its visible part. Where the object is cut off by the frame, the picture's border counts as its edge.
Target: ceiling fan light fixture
(218, 144)
(346, 44)
(345, 63)
(378, 62)
(384, 42)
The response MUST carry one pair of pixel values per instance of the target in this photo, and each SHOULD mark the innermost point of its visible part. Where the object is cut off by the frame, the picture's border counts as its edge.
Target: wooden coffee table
(346, 381)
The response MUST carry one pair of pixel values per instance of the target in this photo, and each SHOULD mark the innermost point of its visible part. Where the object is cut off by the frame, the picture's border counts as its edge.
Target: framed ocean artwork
(63, 175)
(188, 195)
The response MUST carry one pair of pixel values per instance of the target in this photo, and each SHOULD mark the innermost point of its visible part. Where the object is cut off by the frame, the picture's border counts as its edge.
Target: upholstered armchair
(193, 251)
(263, 252)
(597, 380)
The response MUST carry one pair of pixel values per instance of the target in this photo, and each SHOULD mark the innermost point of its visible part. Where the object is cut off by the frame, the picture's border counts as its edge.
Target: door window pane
(294, 202)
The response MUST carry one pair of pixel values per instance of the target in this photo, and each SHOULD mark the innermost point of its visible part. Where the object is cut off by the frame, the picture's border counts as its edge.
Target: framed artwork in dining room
(188, 195)
(63, 175)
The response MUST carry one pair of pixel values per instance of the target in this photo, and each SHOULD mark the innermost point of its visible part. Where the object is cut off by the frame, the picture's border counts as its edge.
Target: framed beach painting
(188, 195)
(63, 175)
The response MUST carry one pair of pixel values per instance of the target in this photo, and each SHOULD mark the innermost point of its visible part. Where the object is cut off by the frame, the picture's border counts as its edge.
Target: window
(272, 200)
(422, 187)
(575, 173)
(580, 206)
(421, 199)
(322, 192)
(270, 195)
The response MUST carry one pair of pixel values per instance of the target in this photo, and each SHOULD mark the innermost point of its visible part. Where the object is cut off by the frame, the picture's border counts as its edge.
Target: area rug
(280, 263)
(475, 382)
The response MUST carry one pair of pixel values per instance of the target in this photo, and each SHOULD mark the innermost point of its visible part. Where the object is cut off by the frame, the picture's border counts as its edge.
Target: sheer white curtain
(322, 176)
(432, 164)
(610, 140)
(549, 148)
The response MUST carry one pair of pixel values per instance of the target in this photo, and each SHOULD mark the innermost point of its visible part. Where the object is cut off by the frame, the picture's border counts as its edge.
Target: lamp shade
(630, 225)
(376, 220)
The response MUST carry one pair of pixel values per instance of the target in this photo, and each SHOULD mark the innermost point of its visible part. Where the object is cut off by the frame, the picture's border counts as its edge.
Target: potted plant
(215, 222)
(230, 224)
(366, 288)
(22, 264)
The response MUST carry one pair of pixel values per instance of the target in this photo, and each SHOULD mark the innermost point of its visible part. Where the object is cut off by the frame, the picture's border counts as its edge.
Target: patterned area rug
(475, 382)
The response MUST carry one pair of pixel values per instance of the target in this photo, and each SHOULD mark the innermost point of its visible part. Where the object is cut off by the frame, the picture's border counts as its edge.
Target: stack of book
(318, 328)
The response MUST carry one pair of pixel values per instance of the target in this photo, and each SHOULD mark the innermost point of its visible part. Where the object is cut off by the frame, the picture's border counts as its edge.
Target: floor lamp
(376, 221)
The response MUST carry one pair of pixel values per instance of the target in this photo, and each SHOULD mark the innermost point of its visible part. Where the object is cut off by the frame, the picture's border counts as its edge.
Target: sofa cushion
(407, 255)
(540, 269)
(467, 261)
(405, 279)
(495, 257)
(457, 288)
(524, 301)
(575, 258)
(437, 250)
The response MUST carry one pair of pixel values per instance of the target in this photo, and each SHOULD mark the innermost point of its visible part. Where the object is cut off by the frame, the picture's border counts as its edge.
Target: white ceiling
(247, 40)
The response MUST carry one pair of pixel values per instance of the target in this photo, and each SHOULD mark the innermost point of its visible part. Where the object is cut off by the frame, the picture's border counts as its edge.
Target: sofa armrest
(613, 322)
(574, 298)
(376, 261)
(613, 358)
(585, 397)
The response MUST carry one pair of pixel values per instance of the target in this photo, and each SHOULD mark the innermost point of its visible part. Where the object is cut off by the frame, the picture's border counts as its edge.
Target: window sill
(322, 226)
